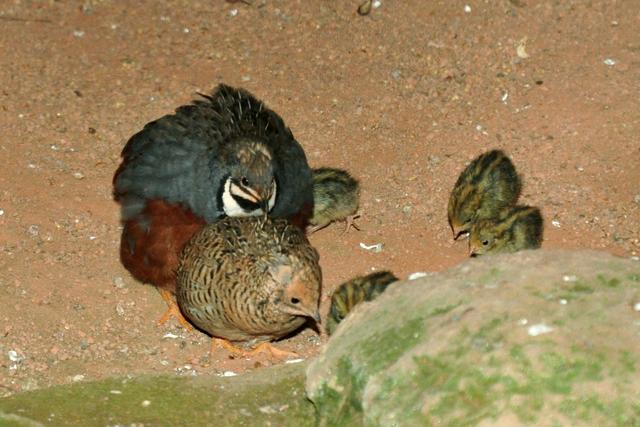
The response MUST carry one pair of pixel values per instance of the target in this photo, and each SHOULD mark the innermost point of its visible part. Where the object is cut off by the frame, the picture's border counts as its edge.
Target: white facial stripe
(272, 199)
(229, 204)
(245, 193)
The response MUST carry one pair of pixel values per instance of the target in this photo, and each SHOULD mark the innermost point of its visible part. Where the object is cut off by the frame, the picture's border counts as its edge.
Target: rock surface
(271, 396)
(535, 338)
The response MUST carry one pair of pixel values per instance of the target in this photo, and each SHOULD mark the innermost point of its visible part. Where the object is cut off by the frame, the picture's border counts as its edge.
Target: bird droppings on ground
(539, 329)
(375, 248)
(417, 275)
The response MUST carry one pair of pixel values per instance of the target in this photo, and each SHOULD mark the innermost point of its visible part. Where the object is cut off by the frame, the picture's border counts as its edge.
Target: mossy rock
(535, 338)
(271, 396)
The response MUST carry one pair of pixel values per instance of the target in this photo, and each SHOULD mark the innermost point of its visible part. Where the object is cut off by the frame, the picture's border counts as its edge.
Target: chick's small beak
(472, 250)
(459, 232)
(316, 317)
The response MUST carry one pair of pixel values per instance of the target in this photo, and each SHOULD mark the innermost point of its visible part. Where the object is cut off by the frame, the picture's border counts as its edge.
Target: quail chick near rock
(514, 229)
(226, 154)
(336, 196)
(489, 184)
(249, 279)
(353, 292)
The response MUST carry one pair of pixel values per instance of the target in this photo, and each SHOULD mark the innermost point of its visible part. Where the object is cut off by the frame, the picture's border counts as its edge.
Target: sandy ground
(403, 98)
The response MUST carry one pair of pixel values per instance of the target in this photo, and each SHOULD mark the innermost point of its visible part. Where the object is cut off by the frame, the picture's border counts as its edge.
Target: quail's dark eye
(485, 242)
(244, 181)
(295, 301)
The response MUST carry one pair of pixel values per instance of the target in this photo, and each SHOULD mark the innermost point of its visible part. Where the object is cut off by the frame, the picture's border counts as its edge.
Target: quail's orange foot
(172, 311)
(264, 347)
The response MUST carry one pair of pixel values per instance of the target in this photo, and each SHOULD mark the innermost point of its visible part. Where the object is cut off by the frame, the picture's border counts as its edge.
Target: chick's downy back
(487, 185)
(249, 278)
(514, 229)
(353, 292)
(336, 196)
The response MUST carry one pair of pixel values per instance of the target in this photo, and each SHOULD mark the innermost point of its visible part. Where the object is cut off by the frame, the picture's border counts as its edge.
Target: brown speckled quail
(336, 196)
(249, 279)
(489, 184)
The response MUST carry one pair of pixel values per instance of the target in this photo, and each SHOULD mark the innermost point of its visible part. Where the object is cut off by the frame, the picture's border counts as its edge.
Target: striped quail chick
(249, 279)
(336, 196)
(514, 229)
(224, 155)
(489, 184)
(353, 292)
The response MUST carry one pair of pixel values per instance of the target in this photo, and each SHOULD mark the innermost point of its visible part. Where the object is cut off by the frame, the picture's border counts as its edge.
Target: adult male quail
(249, 279)
(487, 185)
(336, 196)
(513, 229)
(223, 155)
(353, 292)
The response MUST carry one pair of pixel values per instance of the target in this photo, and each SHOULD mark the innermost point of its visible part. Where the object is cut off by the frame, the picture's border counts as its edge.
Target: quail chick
(514, 229)
(226, 154)
(490, 183)
(336, 196)
(249, 279)
(353, 292)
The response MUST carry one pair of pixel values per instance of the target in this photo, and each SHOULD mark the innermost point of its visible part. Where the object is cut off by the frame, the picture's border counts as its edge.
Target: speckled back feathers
(249, 278)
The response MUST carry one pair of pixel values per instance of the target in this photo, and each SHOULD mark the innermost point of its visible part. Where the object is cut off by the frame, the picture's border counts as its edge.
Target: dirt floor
(403, 98)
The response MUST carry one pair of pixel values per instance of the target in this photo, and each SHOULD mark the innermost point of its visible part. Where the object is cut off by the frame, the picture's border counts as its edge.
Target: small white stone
(245, 78)
(229, 374)
(77, 378)
(636, 307)
(164, 362)
(115, 391)
(563, 301)
(186, 30)
(376, 4)
(610, 62)
(417, 275)
(78, 33)
(294, 361)
(119, 283)
(78, 175)
(233, 12)
(539, 329)
(467, 8)
(14, 356)
(555, 223)
(171, 336)
(569, 278)
(1, 212)
(145, 403)
(375, 248)
(522, 322)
